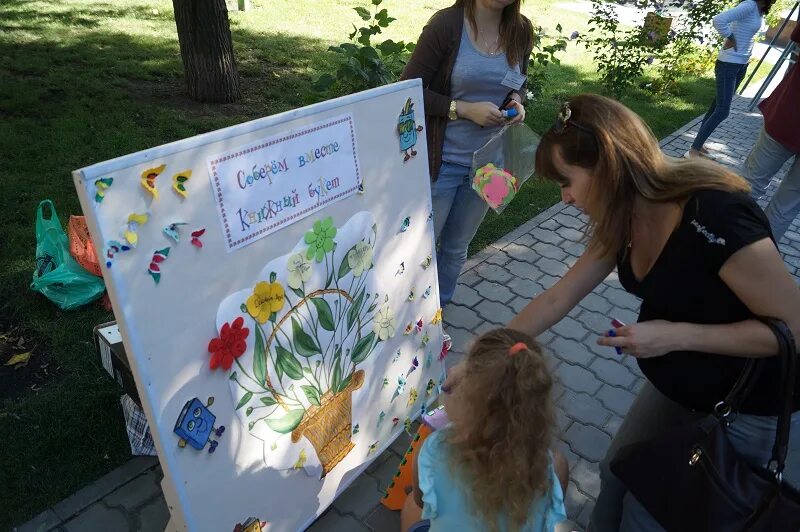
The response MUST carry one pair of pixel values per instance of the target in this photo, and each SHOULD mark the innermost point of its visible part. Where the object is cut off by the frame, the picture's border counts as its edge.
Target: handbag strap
(741, 388)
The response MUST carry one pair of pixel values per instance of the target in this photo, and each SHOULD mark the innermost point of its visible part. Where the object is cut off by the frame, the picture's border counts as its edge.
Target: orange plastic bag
(80, 245)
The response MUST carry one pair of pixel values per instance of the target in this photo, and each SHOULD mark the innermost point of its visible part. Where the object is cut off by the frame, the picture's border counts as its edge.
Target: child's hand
(454, 375)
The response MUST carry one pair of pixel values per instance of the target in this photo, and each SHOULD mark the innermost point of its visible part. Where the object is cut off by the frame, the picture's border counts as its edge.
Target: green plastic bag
(57, 275)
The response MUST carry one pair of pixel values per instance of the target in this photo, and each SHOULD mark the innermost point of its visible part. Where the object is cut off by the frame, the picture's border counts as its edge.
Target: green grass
(87, 80)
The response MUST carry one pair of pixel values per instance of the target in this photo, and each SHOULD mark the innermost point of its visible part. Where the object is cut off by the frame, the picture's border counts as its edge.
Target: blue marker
(613, 334)
(509, 113)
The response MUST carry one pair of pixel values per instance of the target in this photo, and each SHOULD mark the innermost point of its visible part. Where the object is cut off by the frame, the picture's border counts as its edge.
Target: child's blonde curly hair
(501, 451)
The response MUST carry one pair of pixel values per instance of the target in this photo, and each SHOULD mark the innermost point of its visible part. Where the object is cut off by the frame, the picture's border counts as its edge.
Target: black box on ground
(112, 355)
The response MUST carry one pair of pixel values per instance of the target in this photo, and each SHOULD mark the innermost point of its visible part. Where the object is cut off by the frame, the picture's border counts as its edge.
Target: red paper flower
(230, 344)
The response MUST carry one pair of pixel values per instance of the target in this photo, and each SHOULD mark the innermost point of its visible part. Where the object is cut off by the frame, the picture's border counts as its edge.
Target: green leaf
(362, 349)
(303, 342)
(324, 313)
(355, 309)
(329, 280)
(344, 267)
(287, 423)
(362, 12)
(299, 293)
(260, 356)
(244, 400)
(311, 394)
(376, 2)
(336, 381)
(248, 411)
(269, 401)
(288, 363)
(345, 383)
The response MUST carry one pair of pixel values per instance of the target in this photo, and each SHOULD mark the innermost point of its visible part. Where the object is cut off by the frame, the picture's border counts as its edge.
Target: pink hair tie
(516, 348)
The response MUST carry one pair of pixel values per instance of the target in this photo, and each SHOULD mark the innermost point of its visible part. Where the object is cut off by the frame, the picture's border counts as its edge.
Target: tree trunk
(207, 50)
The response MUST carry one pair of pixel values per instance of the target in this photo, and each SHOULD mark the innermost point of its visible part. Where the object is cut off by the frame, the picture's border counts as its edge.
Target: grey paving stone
(465, 296)
(568, 221)
(462, 317)
(332, 521)
(569, 328)
(571, 351)
(621, 298)
(586, 409)
(613, 280)
(625, 315)
(578, 379)
(551, 222)
(575, 249)
(492, 272)
(134, 493)
(400, 445)
(486, 326)
(548, 281)
(569, 454)
(612, 372)
(563, 421)
(521, 250)
(589, 442)
(546, 235)
(586, 514)
(587, 476)
(523, 270)
(44, 521)
(552, 267)
(568, 233)
(384, 472)
(574, 500)
(494, 291)
(469, 278)
(98, 517)
(616, 399)
(497, 257)
(596, 322)
(519, 303)
(545, 338)
(154, 515)
(359, 498)
(494, 312)
(382, 519)
(549, 251)
(595, 303)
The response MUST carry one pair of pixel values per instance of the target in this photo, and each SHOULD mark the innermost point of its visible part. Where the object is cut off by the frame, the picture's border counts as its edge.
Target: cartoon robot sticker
(195, 425)
(407, 128)
(252, 524)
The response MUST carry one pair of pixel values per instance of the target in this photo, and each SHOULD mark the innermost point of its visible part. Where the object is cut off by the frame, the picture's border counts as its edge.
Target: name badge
(513, 80)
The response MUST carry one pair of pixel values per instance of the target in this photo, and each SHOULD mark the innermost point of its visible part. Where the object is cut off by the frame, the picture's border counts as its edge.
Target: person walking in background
(472, 57)
(491, 467)
(778, 142)
(738, 26)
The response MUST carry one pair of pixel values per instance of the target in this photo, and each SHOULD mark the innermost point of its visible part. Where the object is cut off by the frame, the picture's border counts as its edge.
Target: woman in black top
(686, 238)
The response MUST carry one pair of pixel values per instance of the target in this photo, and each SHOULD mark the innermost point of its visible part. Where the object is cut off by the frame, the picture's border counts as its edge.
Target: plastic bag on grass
(80, 245)
(57, 276)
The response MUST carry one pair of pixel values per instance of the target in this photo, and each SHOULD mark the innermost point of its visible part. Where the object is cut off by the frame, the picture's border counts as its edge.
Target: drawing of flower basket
(298, 377)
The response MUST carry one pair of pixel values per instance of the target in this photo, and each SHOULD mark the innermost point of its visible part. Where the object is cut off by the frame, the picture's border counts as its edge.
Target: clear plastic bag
(503, 164)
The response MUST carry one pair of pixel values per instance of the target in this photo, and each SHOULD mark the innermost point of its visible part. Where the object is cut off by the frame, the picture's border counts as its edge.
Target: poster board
(284, 267)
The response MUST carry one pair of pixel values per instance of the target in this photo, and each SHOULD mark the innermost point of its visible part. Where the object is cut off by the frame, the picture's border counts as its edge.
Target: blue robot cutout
(195, 425)
(407, 128)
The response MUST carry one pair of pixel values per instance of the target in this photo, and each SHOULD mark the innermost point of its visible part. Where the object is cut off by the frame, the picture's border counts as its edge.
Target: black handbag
(692, 479)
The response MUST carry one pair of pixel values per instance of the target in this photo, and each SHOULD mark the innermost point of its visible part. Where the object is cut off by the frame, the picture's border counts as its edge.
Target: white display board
(278, 279)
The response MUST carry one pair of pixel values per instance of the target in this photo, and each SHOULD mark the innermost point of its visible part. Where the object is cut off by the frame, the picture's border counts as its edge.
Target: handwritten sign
(276, 181)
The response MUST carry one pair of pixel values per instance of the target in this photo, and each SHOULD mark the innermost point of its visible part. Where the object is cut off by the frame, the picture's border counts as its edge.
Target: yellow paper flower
(437, 318)
(299, 270)
(384, 325)
(265, 299)
(360, 258)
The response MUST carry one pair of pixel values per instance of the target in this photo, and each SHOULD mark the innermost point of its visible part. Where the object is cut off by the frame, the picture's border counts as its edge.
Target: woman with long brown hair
(472, 58)
(689, 241)
(491, 468)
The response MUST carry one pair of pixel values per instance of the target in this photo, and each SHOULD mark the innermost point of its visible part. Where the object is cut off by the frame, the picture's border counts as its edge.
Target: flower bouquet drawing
(314, 316)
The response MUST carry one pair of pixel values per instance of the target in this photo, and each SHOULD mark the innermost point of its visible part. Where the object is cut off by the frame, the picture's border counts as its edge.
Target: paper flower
(412, 396)
(360, 258)
(496, 186)
(384, 325)
(100, 186)
(229, 345)
(131, 229)
(299, 268)
(265, 299)
(320, 239)
(437, 318)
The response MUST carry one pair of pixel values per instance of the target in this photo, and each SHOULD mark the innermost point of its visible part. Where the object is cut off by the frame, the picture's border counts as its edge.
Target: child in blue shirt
(491, 468)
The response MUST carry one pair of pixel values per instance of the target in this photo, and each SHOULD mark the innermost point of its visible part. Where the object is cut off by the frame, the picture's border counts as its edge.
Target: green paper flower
(320, 239)
(360, 258)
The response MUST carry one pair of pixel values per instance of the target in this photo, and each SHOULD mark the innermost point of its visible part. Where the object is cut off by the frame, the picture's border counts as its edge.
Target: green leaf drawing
(372, 307)
(303, 342)
(337, 376)
(355, 309)
(311, 393)
(287, 423)
(299, 293)
(288, 363)
(363, 13)
(260, 356)
(362, 349)
(345, 383)
(249, 410)
(329, 280)
(244, 400)
(324, 313)
(344, 267)
(269, 401)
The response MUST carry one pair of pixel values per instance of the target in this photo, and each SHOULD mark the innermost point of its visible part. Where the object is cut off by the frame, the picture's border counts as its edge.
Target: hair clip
(516, 348)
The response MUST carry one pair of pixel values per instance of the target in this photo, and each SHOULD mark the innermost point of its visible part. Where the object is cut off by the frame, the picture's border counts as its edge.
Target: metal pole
(786, 51)
(771, 44)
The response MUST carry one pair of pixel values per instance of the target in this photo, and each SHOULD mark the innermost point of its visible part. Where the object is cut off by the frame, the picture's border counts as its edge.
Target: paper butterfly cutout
(196, 237)
(131, 230)
(112, 248)
(437, 318)
(373, 448)
(385, 382)
(445, 349)
(410, 296)
(179, 182)
(401, 269)
(149, 179)
(380, 417)
(409, 328)
(405, 225)
(172, 230)
(396, 356)
(401, 384)
(407, 425)
(430, 215)
(426, 263)
(428, 360)
(395, 421)
(412, 396)
(429, 388)
(100, 186)
(425, 339)
(419, 325)
(154, 269)
(426, 293)
(355, 428)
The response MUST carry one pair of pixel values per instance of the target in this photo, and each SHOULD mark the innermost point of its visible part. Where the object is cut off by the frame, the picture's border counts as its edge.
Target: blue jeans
(765, 159)
(457, 213)
(652, 414)
(728, 76)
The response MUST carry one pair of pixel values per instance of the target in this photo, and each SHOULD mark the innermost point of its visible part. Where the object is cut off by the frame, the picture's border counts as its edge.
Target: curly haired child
(491, 467)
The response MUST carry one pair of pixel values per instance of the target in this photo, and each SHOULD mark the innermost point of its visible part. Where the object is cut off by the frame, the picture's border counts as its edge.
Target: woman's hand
(520, 111)
(730, 42)
(482, 113)
(647, 339)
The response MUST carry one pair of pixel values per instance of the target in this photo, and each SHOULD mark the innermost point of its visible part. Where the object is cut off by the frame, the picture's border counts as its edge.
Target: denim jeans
(457, 214)
(764, 161)
(652, 414)
(728, 77)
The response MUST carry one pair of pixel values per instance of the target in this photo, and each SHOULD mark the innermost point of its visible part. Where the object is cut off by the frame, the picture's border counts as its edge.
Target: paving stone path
(596, 386)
